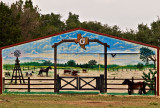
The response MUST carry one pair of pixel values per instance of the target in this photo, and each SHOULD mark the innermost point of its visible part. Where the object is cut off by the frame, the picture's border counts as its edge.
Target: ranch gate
(99, 83)
(81, 42)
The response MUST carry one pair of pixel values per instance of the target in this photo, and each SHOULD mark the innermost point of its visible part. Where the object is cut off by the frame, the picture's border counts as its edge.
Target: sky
(41, 50)
(127, 14)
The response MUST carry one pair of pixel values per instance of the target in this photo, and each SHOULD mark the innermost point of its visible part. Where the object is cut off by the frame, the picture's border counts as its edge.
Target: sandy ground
(110, 74)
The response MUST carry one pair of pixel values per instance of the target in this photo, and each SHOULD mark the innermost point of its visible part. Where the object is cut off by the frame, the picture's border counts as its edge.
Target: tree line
(21, 21)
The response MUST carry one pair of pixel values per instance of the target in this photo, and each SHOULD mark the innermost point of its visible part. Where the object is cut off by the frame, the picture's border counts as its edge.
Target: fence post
(97, 83)
(3, 86)
(101, 83)
(28, 84)
(155, 86)
(58, 83)
(132, 83)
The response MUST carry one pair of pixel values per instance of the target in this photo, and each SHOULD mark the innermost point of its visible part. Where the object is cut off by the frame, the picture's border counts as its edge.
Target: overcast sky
(127, 14)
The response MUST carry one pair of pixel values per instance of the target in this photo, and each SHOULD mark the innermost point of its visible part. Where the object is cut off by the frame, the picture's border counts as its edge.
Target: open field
(80, 101)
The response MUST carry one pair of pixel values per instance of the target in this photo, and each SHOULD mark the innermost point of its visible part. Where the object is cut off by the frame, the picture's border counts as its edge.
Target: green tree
(155, 28)
(71, 63)
(47, 63)
(144, 34)
(50, 24)
(92, 63)
(147, 55)
(9, 31)
(72, 21)
(140, 66)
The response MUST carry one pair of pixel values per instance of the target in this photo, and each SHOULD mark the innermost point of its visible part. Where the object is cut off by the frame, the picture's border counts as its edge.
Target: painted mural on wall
(124, 59)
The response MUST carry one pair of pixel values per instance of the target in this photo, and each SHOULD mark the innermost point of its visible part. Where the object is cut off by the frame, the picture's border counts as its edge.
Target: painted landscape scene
(124, 59)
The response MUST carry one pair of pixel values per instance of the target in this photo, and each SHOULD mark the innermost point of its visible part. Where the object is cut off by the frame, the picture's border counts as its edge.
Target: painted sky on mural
(42, 49)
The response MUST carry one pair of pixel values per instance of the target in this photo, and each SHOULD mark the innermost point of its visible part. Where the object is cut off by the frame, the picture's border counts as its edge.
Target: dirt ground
(77, 101)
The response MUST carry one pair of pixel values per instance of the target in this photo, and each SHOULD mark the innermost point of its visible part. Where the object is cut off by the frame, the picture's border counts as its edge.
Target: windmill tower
(17, 72)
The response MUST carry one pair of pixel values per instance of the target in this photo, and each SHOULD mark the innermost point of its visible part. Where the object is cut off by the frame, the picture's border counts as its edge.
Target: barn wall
(39, 53)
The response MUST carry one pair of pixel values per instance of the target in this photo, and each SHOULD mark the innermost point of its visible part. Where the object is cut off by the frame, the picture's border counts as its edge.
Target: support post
(158, 69)
(101, 83)
(28, 84)
(105, 66)
(1, 82)
(155, 86)
(55, 68)
(58, 83)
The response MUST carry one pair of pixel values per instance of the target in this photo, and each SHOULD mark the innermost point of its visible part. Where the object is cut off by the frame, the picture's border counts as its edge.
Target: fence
(28, 84)
(133, 80)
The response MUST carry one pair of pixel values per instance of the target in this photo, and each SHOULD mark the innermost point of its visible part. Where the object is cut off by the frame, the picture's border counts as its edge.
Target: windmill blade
(17, 53)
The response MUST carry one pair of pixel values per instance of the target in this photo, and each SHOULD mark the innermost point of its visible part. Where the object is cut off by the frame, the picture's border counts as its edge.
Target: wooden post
(55, 67)
(101, 84)
(105, 67)
(132, 83)
(28, 84)
(3, 83)
(155, 86)
(78, 84)
(97, 83)
(158, 69)
(58, 84)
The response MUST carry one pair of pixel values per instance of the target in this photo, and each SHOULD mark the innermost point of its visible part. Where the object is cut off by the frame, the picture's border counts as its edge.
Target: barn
(80, 59)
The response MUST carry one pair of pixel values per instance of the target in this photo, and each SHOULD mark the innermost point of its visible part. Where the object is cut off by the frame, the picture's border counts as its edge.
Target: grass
(77, 101)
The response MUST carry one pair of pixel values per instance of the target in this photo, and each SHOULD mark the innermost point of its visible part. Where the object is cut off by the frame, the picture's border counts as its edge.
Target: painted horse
(138, 85)
(44, 70)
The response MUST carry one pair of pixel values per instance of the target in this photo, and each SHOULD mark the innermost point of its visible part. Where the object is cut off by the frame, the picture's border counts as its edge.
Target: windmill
(17, 72)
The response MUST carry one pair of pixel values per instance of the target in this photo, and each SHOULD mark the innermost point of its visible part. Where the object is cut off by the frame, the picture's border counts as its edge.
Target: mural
(124, 59)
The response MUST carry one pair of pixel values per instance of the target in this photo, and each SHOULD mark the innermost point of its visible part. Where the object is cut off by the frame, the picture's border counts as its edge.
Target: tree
(72, 21)
(155, 28)
(47, 63)
(140, 66)
(27, 18)
(147, 55)
(92, 63)
(71, 63)
(9, 31)
(50, 24)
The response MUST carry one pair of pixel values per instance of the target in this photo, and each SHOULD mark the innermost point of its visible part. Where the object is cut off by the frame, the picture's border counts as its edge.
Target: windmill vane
(17, 53)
